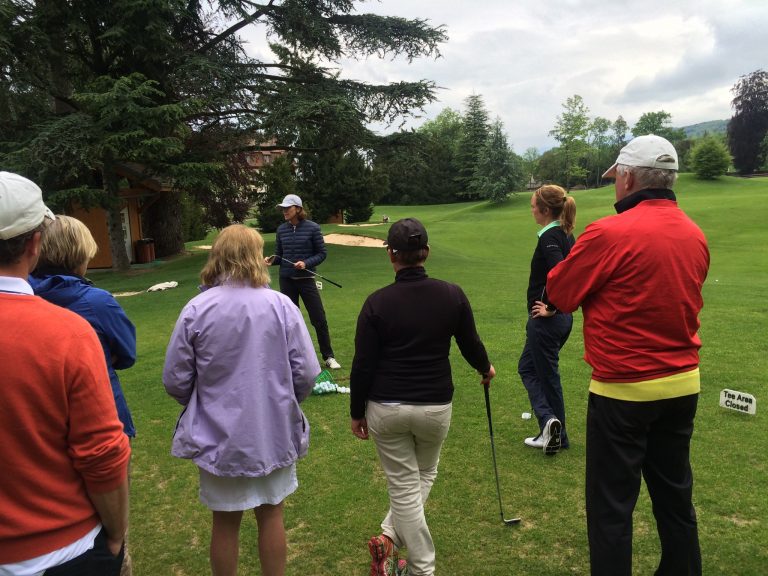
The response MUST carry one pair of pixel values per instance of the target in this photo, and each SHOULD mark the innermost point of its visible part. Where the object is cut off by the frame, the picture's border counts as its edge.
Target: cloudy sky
(526, 57)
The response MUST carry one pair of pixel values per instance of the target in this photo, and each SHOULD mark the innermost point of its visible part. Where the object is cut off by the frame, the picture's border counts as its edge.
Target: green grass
(342, 494)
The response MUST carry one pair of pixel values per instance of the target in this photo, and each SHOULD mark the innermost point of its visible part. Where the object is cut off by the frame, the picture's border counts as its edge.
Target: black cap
(407, 234)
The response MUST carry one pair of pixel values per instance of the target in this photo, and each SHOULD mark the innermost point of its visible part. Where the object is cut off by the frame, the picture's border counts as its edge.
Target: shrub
(710, 158)
(361, 213)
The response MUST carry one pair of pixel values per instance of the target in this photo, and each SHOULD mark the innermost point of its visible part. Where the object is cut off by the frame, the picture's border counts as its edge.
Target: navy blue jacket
(553, 246)
(301, 242)
(116, 332)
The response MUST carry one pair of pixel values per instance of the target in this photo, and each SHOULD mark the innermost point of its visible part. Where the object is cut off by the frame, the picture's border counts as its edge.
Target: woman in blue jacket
(67, 248)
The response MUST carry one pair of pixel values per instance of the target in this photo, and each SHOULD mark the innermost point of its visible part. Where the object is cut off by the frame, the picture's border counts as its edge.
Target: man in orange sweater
(64, 457)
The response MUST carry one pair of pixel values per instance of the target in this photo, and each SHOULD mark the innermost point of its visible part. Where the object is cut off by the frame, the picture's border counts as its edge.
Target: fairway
(342, 498)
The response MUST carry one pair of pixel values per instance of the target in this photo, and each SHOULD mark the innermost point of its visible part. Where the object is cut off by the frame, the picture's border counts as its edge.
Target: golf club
(308, 270)
(510, 521)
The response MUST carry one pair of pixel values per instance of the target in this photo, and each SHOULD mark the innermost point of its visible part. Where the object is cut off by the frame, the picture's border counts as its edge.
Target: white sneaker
(332, 364)
(550, 436)
(535, 442)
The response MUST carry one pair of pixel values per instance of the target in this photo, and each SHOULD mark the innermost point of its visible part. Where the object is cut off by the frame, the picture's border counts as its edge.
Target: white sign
(739, 401)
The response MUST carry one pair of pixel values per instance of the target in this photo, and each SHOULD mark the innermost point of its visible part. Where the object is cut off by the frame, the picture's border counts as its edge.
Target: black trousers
(310, 295)
(625, 440)
(98, 561)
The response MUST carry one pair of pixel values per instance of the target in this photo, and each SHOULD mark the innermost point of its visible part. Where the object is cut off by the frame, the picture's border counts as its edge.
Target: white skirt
(232, 494)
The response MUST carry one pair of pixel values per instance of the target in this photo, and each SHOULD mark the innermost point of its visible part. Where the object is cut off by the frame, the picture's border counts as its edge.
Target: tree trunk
(120, 259)
(162, 222)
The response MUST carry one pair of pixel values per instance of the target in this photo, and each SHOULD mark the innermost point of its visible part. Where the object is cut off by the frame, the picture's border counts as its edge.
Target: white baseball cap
(21, 206)
(291, 200)
(649, 151)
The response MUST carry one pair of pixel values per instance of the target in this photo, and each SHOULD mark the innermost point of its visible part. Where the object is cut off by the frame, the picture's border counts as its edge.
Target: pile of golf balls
(329, 388)
(324, 388)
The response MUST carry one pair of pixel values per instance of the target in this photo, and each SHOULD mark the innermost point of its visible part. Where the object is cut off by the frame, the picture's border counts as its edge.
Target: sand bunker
(342, 239)
(352, 240)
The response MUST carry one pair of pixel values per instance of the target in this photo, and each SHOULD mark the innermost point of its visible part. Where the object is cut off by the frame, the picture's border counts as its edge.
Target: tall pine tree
(498, 173)
(474, 133)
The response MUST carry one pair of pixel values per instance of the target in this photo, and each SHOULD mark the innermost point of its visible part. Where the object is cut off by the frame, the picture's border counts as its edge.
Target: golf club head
(511, 521)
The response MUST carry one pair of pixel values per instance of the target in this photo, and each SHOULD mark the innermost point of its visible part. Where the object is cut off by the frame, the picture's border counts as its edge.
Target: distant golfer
(401, 389)
(300, 247)
(240, 361)
(638, 278)
(548, 328)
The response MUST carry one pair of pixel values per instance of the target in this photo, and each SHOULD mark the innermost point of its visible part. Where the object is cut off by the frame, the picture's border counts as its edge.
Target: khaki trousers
(408, 439)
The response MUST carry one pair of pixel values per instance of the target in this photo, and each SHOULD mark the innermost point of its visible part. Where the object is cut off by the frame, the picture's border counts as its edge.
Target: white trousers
(408, 439)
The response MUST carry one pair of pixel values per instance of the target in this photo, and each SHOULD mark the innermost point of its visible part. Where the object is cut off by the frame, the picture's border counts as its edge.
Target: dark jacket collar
(410, 274)
(648, 194)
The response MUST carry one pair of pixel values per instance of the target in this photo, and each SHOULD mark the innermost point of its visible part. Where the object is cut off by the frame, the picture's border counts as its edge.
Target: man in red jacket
(637, 277)
(63, 455)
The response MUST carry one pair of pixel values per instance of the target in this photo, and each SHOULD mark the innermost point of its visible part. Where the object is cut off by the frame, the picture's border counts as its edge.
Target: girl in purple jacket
(240, 361)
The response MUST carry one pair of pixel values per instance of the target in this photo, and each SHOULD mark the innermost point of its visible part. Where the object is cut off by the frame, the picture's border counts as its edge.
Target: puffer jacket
(301, 242)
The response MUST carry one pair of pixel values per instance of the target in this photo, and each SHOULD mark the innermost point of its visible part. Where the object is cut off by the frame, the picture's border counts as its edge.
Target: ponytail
(560, 205)
(568, 215)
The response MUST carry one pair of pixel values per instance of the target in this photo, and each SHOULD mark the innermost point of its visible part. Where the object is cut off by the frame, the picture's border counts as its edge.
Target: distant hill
(712, 127)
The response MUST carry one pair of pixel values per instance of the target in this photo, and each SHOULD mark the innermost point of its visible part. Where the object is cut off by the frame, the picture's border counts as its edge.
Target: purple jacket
(240, 360)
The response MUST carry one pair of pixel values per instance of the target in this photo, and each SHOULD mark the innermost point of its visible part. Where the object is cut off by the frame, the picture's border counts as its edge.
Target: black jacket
(403, 340)
(553, 247)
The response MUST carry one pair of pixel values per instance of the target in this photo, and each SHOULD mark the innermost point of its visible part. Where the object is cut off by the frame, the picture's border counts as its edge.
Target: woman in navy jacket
(547, 329)
(299, 249)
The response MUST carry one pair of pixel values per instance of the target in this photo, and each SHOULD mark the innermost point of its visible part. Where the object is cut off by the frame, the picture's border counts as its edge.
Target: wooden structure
(142, 191)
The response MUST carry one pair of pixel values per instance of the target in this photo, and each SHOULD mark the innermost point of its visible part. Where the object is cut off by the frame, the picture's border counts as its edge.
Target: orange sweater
(59, 432)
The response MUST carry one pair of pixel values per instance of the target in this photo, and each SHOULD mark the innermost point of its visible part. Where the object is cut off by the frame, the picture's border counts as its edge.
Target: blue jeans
(538, 367)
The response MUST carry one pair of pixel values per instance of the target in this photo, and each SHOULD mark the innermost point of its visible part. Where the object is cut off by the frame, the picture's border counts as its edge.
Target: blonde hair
(237, 255)
(559, 203)
(66, 243)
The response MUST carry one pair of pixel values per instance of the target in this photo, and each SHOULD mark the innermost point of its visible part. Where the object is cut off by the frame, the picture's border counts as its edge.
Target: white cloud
(623, 57)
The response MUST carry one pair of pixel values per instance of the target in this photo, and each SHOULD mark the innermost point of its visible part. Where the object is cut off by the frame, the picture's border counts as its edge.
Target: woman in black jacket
(547, 329)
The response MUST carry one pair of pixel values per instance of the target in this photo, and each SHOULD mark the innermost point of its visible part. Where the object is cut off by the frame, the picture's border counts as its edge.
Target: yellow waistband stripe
(683, 384)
